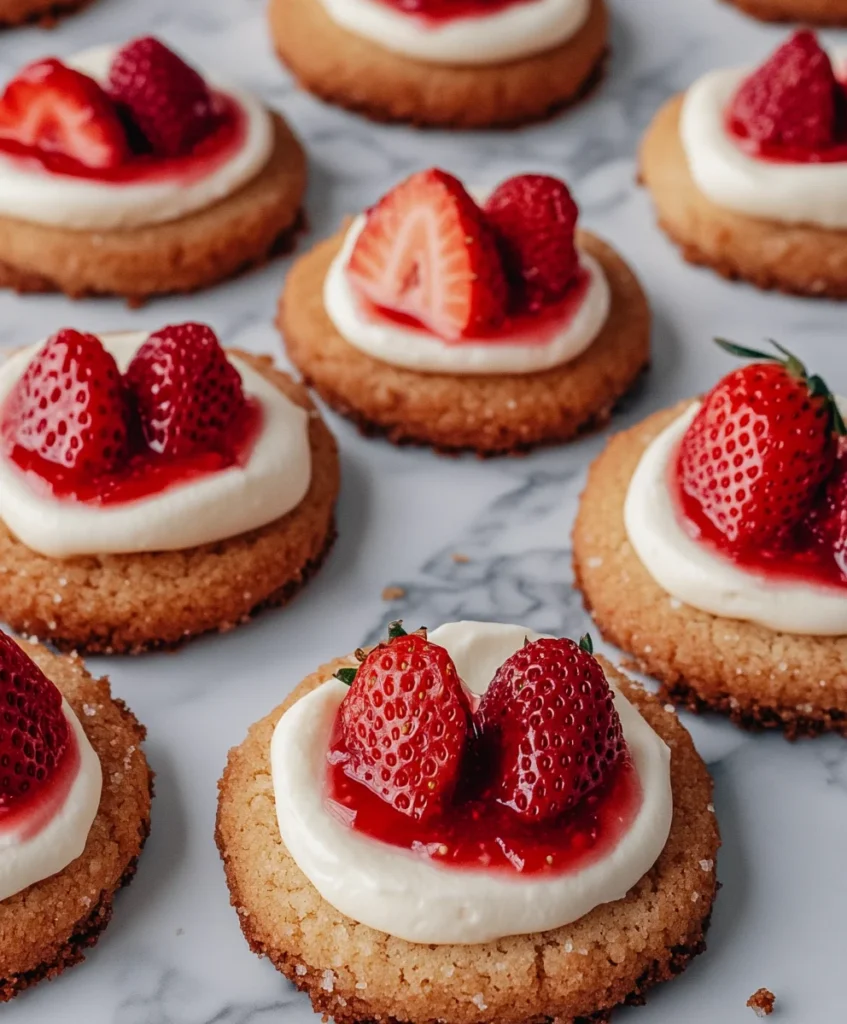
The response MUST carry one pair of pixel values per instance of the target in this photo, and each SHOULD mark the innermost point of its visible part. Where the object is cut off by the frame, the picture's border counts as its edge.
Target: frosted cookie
(494, 328)
(124, 172)
(16, 12)
(169, 487)
(748, 172)
(75, 794)
(451, 63)
(710, 544)
(551, 863)
(810, 12)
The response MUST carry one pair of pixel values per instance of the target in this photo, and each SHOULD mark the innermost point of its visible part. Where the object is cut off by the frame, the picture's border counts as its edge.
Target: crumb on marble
(460, 559)
(393, 593)
(762, 1002)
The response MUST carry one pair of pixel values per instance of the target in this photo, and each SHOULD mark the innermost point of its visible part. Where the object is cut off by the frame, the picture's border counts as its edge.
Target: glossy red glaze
(836, 153)
(801, 558)
(475, 832)
(146, 473)
(523, 329)
(440, 11)
(142, 169)
(27, 817)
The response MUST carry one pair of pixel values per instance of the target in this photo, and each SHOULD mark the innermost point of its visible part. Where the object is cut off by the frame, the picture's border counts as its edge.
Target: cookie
(196, 251)
(760, 678)
(580, 972)
(798, 259)
(16, 12)
(351, 71)
(810, 12)
(491, 415)
(133, 602)
(51, 925)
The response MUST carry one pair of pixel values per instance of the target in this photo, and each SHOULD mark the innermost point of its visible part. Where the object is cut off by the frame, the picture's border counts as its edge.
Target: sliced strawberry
(53, 109)
(34, 733)
(792, 99)
(534, 218)
(549, 729)
(761, 445)
(405, 723)
(68, 409)
(186, 391)
(167, 99)
(426, 252)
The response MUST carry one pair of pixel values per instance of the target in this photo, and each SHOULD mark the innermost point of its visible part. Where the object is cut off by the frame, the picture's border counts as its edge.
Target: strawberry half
(427, 252)
(165, 98)
(761, 445)
(549, 728)
(34, 733)
(53, 109)
(187, 393)
(791, 100)
(405, 723)
(534, 218)
(68, 409)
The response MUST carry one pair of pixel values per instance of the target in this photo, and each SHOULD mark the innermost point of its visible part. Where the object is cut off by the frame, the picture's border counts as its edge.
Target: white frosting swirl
(791, 193)
(701, 578)
(29, 192)
(418, 350)
(274, 480)
(404, 895)
(27, 860)
(521, 29)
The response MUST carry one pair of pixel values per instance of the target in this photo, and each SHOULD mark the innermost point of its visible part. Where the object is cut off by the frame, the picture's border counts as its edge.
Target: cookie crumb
(479, 1000)
(762, 1002)
(393, 593)
(460, 559)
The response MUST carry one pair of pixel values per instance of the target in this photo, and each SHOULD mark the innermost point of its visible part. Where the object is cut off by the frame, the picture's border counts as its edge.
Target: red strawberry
(187, 393)
(760, 446)
(791, 100)
(34, 733)
(405, 723)
(427, 252)
(534, 218)
(168, 100)
(69, 408)
(828, 519)
(549, 726)
(55, 110)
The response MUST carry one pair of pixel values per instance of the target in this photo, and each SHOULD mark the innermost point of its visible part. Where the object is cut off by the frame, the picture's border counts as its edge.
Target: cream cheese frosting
(701, 578)
(521, 29)
(31, 193)
(414, 899)
(25, 860)
(419, 350)
(273, 481)
(791, 193)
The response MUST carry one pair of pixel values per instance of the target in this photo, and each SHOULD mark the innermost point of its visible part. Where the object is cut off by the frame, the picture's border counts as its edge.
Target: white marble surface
(174, 953)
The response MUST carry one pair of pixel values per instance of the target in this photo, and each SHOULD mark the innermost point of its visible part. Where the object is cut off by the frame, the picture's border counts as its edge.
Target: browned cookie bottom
(809, 12)
(46, 12)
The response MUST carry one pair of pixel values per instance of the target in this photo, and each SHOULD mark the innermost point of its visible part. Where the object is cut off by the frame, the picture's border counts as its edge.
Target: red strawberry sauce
(537, 328)
(146, 472)
(475, 832)
(799, 559)
(26, 818)
(436, 12)
(207, 156)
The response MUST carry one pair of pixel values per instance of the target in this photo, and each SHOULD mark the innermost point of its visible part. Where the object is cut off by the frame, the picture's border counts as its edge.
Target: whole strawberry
(68, 409)
(34, 733)
(534, 218)
(405, 723)
(827, 521)
(549, 729)
(187, 394)
(792, 99)
(758, 450)
(165, 98)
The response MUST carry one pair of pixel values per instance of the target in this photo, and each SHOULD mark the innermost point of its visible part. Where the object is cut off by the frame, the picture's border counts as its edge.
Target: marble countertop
(174, 953)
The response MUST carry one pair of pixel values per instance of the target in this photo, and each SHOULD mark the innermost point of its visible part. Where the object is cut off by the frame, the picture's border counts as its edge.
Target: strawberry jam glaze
(475, 832)
(146, 472)
(27, 817)
(437, 12)
(801, 558)
(536, 328)
(206, 157)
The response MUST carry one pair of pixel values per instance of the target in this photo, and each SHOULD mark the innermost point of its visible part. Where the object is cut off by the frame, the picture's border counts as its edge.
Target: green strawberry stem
(816, 384)
(586, 643)
(346, 675)
(395, 629)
